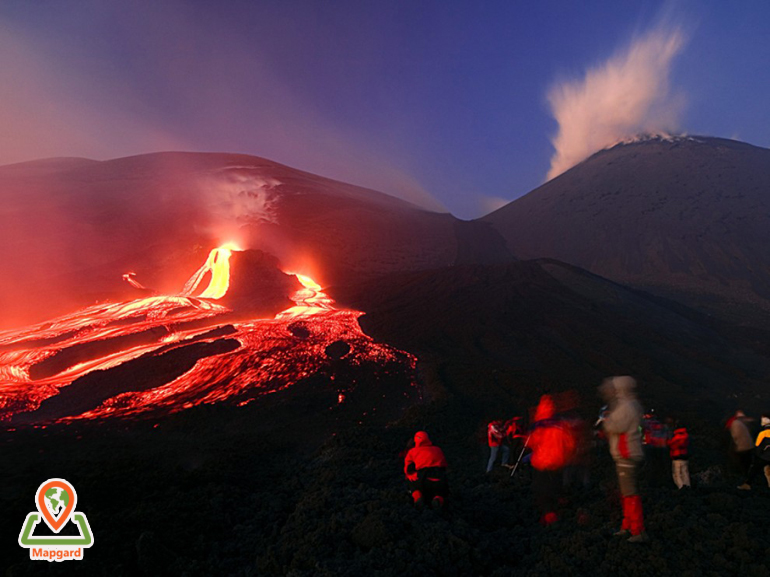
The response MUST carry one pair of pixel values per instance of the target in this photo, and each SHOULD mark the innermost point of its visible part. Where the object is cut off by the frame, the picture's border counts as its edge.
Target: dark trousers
(743, 461)
(657, 466)
(431, 482)
(757, 466)
(546, 487)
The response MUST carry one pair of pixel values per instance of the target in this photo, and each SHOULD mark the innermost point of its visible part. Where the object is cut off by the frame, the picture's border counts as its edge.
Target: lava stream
(39, 363)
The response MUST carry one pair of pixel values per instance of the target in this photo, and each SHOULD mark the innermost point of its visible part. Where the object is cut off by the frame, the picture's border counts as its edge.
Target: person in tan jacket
(621, 425)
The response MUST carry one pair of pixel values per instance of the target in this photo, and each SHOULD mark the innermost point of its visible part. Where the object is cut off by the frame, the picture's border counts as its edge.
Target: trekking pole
(524, 448)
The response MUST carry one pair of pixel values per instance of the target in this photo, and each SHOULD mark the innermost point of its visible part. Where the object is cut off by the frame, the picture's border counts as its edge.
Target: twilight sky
(454, 104)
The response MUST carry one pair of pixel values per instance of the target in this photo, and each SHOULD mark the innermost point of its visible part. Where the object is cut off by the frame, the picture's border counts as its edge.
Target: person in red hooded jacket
(425, 469)
(553, 444)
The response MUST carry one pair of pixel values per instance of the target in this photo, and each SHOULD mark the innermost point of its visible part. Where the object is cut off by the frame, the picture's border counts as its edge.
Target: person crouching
(425, 469)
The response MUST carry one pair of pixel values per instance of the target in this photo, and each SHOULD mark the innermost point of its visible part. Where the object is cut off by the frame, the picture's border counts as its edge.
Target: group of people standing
(556, 443)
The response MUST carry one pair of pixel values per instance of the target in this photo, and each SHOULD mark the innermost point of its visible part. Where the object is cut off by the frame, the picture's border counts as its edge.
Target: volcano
(237, 417)
(72, 228)
(683, 217)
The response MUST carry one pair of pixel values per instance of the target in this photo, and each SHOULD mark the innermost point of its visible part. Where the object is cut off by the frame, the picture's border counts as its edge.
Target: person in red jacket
(496, 438)
(553, 446)
(425, 469)
(678, 448)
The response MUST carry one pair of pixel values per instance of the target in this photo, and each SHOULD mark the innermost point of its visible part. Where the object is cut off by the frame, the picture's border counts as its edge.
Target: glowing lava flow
(218, 265)
(85, 365)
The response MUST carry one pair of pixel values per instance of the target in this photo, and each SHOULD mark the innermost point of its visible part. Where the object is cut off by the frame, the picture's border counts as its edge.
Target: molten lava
(218, 266)
(85, 365)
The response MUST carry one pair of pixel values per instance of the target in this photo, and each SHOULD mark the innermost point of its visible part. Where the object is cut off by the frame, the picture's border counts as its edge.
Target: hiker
(425, 469)
(516, 437)
(656, 451)
(679, 450)
(515, 433)
(577, 473)
(741, 443)
(496, 440)
(621, 425)
(761, 458)
(553, 447)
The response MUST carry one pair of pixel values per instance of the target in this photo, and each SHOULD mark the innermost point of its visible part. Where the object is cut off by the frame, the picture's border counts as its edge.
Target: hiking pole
(524, 448)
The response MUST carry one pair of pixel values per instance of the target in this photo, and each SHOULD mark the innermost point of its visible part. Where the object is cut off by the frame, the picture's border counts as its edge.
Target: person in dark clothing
(741, 448)
(425, 469)
(761, 458)
(656, 452)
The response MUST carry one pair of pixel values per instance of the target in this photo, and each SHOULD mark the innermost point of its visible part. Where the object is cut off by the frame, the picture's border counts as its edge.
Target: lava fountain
(162, 354)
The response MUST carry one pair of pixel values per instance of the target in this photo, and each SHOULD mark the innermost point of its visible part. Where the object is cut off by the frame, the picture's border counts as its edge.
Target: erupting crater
(164, 353)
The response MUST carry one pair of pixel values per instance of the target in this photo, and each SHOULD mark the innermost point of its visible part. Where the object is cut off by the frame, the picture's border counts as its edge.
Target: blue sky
(442, 102)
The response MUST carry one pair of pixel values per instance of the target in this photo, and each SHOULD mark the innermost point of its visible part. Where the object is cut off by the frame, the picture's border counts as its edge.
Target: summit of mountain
(682, 217)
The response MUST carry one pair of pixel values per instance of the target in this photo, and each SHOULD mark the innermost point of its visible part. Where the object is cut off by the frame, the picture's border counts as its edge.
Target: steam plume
(627, 95)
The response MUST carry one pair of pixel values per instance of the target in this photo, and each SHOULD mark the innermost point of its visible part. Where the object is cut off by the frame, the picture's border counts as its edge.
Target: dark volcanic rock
(82, 352)
(681, 217)
(258, 287)
(507, 332)
(337, 349)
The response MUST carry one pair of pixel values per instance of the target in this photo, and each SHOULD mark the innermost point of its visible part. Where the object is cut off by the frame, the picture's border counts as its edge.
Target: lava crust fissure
(81, 352)
(144, 373)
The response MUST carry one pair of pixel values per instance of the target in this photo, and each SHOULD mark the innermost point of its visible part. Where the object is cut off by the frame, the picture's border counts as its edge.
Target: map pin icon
(55, 499)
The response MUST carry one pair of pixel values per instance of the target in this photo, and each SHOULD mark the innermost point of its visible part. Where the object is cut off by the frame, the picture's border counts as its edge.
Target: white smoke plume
(235, 197)
(627, 95)
(239, 196)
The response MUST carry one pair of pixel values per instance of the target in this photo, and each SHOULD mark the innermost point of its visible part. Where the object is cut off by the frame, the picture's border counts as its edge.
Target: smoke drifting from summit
(627, 95)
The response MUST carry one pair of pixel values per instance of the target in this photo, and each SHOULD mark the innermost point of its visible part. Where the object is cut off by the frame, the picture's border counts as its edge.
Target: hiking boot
(622, 533)
(745, 487)
(640, 538)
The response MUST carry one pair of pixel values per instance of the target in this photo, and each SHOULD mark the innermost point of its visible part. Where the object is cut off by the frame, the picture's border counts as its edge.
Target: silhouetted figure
(425, 469)
(621, 425)
(656, 452)
(741, 446)
(761, 457)
(577, 473)
(679, 450)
